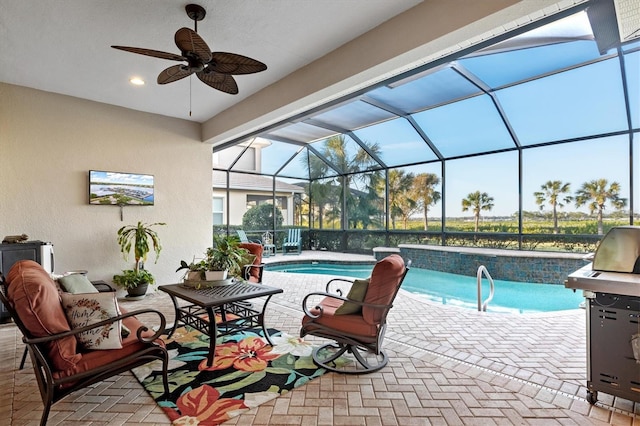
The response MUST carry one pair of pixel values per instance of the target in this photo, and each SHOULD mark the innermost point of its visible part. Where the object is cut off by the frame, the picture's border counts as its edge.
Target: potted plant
(142, 238)
(135, 282)
(195, 270)
(226, 257)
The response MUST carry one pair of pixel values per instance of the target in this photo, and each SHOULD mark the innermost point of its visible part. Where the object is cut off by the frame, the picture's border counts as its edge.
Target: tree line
(411, 194)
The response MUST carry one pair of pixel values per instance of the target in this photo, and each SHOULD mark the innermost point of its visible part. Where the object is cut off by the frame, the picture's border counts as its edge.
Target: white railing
(482, 306)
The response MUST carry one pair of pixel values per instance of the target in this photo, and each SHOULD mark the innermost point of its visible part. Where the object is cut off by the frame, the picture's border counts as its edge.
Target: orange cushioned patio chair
(253, 272)
(357, 322)
(61, 364)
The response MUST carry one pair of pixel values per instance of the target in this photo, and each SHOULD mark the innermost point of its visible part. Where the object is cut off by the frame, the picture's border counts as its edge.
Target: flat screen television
(120, 189)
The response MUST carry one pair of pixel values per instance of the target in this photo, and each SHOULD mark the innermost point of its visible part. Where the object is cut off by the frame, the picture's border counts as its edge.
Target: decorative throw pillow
(77, 283)
(357, 293)
(89, 308)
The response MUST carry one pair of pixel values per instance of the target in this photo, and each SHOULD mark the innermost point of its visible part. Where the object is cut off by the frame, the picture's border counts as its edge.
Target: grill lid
(619, 251)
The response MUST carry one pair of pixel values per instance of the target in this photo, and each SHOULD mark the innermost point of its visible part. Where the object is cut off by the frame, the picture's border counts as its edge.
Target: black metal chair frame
(348, 342)
(101, 286)
(53, 390)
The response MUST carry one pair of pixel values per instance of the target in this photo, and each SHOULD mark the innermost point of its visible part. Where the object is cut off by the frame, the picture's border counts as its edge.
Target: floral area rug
(246, 372)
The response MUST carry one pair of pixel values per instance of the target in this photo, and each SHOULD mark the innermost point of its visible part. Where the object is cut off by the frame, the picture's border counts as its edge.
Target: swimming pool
(459, 290)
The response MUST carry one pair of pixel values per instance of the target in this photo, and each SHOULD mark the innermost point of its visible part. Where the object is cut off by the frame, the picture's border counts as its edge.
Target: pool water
(460, 290)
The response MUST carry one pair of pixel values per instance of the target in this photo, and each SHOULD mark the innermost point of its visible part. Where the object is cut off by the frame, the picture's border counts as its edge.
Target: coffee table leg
(177, 315)
(261, 321)
(213, 333)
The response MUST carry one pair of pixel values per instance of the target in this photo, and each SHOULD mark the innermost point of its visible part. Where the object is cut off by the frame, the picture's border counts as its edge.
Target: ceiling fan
(214, 69)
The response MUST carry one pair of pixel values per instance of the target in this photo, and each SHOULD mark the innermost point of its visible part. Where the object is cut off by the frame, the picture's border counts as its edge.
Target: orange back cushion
(256, 250)
(36, 300)
(385, 278)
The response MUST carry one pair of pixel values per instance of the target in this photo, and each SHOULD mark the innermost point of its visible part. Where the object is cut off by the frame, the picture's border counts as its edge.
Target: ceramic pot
(138, 291)
(216, 275)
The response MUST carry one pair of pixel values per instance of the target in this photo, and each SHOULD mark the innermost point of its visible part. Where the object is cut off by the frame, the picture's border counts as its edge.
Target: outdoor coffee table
(200, 312)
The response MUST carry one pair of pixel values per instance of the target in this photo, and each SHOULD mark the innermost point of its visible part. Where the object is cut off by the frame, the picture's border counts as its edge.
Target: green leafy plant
(194, 266)
(226, 254)
(131, 279)
(141, 237)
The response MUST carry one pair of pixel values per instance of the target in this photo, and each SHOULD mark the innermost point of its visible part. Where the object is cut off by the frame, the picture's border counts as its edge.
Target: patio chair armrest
(308, 312)
(305, 302)
(336, 280)
(102, 287)
(247, 268)
(139, 331)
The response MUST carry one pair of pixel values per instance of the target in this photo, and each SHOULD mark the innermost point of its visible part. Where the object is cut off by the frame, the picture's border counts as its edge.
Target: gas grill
(611, 286)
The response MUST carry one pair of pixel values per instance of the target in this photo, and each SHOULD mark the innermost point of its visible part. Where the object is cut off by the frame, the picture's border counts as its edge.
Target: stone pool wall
(511, 265)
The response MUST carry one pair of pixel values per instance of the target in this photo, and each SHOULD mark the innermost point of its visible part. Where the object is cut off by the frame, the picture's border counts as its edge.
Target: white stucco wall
(49, 142)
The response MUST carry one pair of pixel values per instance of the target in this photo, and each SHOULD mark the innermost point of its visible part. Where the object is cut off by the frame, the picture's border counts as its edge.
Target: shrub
(261, 217)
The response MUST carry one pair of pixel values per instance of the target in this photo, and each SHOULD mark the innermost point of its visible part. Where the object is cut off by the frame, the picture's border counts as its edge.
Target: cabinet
(10, 254)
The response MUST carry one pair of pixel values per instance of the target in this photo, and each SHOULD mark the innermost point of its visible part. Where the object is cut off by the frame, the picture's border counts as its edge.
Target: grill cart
(611, 286)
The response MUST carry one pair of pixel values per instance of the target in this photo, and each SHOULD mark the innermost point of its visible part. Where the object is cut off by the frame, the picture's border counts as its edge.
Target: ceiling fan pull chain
(190, 80)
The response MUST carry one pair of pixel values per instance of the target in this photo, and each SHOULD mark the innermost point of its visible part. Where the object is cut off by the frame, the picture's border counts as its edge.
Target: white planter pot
(216, 275)
(193, 276)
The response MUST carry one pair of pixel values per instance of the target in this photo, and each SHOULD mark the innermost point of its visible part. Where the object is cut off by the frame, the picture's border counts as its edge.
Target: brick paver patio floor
(448, 366)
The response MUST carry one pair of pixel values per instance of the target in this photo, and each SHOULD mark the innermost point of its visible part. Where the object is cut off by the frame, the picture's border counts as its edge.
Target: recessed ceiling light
(137, 81)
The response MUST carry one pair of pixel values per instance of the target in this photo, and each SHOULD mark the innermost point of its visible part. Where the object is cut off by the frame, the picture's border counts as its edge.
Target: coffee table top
(219, 295)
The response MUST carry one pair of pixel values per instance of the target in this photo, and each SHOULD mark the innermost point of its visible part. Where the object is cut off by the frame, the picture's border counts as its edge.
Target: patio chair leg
(24, 358)
(45, 413)
(165, 376)
(368, 367)
(340, 350)
(322, 362)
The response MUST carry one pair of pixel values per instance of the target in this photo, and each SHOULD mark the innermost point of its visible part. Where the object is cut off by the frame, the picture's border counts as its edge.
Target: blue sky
(122, 178)
(581, 102)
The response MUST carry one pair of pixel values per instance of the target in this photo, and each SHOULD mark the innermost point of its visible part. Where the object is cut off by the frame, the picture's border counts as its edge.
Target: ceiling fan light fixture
(136, 81)
(214, 69)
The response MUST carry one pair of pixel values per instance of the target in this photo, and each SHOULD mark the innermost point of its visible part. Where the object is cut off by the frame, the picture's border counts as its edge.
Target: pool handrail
(482, 306)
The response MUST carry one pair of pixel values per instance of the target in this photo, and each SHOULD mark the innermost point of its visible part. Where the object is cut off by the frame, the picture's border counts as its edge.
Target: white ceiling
(63, 46)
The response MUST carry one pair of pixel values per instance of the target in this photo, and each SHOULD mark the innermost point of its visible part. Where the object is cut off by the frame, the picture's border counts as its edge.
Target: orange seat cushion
(351, 323)
(93, 359)
(36, 300)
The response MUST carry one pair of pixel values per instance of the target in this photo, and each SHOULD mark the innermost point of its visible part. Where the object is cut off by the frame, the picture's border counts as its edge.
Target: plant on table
(225, 255)
(196, 270)
(142, 238)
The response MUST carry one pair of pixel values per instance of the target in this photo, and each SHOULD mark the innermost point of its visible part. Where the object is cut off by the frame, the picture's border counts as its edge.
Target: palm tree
(321, 191)
(399, 201)
(425, 194)
(551, 192)
(596, 193)
(359, 209)
(407, 207)
(477, 201)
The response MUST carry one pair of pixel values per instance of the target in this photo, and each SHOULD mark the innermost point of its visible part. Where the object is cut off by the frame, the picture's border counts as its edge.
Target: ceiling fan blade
(222, 82)
(188, 40)
(174, 73)
(232, 63)
(150, 52)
